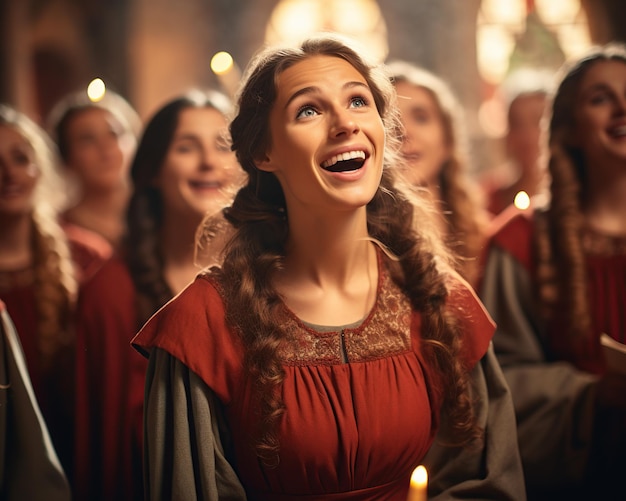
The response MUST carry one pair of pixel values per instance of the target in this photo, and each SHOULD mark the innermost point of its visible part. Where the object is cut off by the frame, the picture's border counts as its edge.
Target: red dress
(605, 259)
(53, 387)
(109, 391)
(352, 430)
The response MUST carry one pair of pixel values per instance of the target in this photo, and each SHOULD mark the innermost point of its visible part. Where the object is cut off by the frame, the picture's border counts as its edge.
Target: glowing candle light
(522, 200)
(229, 75)
(418, 488)
(96, 90)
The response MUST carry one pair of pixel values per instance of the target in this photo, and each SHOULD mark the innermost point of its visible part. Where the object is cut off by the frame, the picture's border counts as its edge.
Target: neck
(328, 251)
(109, 200)
(605, 210)
(102, 212)
(178, 244)
(15, 238)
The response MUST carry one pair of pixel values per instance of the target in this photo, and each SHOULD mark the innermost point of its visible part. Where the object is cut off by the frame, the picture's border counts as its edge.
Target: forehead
(316, 71)
(91, 116)
(411, 96)
(610, 72)
(9, 134)
(200, 120)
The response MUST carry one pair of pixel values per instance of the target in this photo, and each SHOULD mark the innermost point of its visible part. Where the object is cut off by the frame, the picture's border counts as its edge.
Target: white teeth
(348, 155)
(619, 131)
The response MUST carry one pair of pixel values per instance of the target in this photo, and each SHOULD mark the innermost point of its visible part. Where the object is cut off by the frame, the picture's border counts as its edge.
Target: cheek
(437, 140)
(32, 171)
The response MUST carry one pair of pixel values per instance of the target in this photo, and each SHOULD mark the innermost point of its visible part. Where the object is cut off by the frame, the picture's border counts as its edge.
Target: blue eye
(306, 111)
(358, 102)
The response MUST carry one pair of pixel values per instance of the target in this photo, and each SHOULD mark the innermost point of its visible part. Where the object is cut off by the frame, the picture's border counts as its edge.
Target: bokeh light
(522, 200)
(96, 90)
(221, 63)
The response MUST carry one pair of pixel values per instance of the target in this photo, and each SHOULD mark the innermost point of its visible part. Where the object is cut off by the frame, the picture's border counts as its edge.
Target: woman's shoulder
(475, 324)
(192, 313)
(110, 283)
(192, 328)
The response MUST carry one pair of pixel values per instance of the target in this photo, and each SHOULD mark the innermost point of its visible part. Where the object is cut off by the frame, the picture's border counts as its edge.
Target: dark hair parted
(466, 229)
(260, 219)
(144, 215)
(561, 269)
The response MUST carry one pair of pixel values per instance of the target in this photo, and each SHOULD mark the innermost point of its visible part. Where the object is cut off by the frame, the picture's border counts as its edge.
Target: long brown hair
(466, 228)
(561, 270)
(257, 248)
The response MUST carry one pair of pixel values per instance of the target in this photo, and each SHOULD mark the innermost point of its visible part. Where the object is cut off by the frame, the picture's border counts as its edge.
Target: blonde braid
(55, 289)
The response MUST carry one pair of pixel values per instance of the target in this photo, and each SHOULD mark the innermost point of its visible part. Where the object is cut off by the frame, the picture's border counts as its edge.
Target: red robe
(109, 389)
(351, 430)
(606, 289)
(54, 387)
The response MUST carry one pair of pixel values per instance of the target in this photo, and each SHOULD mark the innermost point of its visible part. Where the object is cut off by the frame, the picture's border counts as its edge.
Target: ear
(265, 164)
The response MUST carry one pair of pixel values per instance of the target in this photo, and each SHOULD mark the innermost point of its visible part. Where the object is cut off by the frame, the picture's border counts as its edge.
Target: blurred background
(151, 50)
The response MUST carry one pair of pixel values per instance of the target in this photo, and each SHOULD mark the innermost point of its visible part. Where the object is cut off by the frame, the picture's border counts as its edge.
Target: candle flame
(419, 477)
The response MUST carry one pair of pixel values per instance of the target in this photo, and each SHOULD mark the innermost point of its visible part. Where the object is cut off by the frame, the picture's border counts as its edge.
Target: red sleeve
(192, 328)
(512, 231)
(475, 325)
(109, 388)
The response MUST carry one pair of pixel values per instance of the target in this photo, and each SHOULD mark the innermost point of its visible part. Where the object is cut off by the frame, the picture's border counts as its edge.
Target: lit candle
(418, 488)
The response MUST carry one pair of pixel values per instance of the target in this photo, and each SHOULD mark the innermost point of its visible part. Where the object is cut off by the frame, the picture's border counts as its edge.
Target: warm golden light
(293, 20)
(522, 200)
(512, 12)
(495, 45)
(557, 11)
(501, 23)
(96, 90)
(418, 488)
(221, 63)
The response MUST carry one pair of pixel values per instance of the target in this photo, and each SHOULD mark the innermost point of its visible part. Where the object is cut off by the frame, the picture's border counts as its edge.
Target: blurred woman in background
(96, 141)
(183, 170)
(41, 269)
(435, 154)
(555, 281)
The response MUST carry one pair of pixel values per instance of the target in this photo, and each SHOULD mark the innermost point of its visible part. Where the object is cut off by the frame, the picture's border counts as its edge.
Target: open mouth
(345, 162)
(618, 131)
(205, 185)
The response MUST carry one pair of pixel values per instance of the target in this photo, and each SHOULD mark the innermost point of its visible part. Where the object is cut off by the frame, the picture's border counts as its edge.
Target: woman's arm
(183, 436)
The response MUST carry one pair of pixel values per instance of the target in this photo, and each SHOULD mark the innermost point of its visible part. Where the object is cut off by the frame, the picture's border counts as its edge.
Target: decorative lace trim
(385, 332)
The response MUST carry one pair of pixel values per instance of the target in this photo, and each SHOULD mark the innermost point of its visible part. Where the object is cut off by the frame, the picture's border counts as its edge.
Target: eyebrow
(600, 86)
(314, 90)
(185, 136)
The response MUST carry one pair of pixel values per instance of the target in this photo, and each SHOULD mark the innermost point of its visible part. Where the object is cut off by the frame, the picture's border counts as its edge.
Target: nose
(208, 159)
(620, 105)
(109, 145)
(344, 124)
